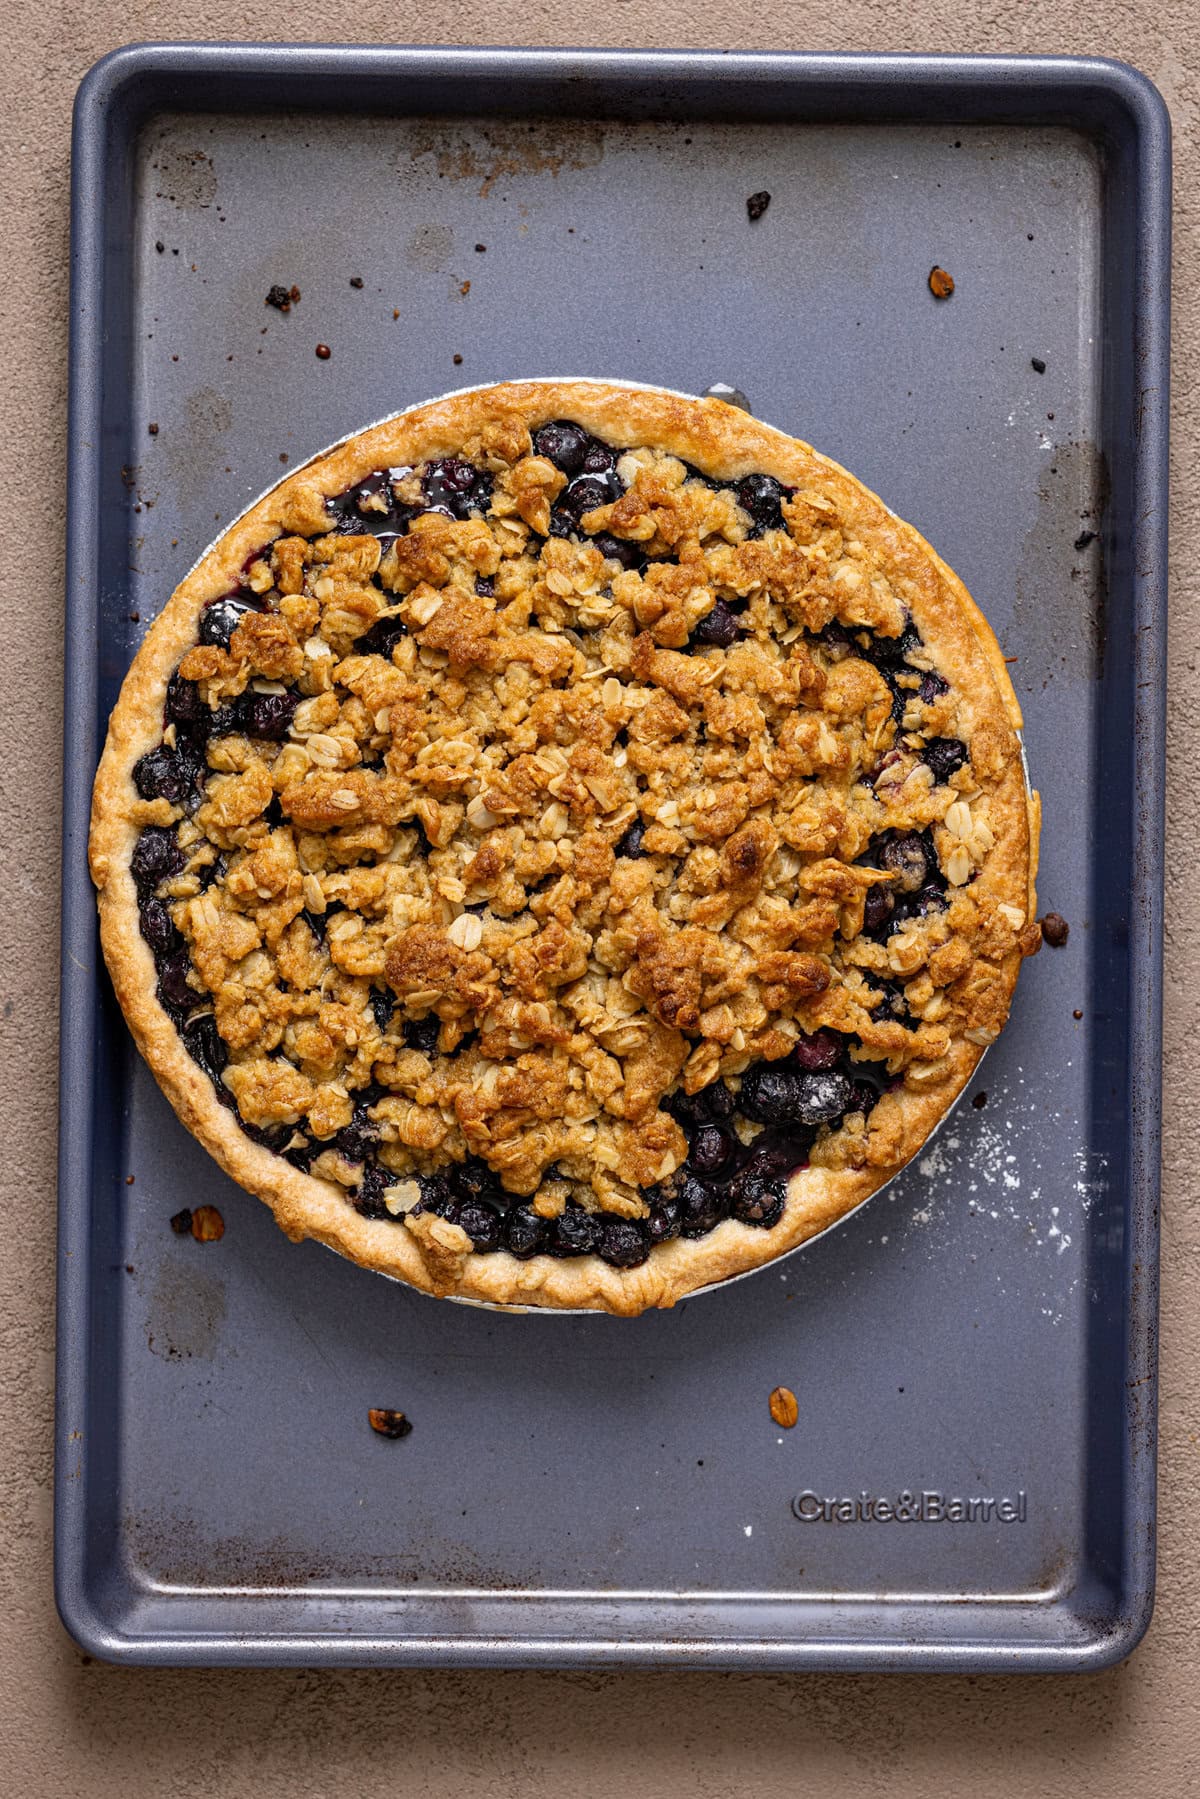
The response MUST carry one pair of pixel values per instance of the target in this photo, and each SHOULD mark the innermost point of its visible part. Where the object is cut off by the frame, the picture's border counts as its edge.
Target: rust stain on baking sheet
(185, 1315)
(178, 1551)
(488, 153)
(1062, 581)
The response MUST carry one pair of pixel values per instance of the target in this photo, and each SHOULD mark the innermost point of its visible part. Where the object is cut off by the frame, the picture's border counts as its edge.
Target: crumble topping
(555, 847)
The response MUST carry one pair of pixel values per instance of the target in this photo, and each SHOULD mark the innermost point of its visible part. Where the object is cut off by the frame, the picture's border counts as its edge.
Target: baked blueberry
(762, 497)
(156, 857)
(563, 444)
(631, 843)
(524, 1231)
(165, 774)
(701, 1205)
(582, 495)
(373, 1183)
(818, 1049)
(574, 1233)
(945, 756)
(906, 855)
(617, 550)
(422, 1034)
(782, 1095)
(221, 618)
(662, 1223)
(718, 626)
(482, 1223)
(156, 926)
(712, 1149)
(622, 1244)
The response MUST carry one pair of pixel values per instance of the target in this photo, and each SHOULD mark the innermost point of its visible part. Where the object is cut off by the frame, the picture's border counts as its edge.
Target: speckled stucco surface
(68, 1725)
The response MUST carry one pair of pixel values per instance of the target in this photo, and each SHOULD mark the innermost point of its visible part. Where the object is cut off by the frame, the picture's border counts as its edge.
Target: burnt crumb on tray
(387, 1423)
(324, 352)
(356, 281)
(1084, 539)
(757, 204)
(1037, 365)
(181, 1223)
(941, 283)
(1055, 930)
(282, 298)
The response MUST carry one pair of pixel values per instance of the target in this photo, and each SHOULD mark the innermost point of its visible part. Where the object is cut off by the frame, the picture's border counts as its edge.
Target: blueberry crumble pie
(565, 846)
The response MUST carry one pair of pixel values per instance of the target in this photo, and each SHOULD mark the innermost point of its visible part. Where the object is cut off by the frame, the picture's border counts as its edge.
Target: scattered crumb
(757, 204)
(979, 1101)
(324, 352)
(356, 280)
(181, 1223)
(283, 455)
(1037, 365)
(464, 287)
(388, 1423)
(129, 1180)
(282, 298)
(1084, 539)
(783, 1407)
(1077, 1014)
(395, 312)
(207, 1224)
(1055, 930)
(160, 247)
(456, 359)
(153, 430)
(480, 249)
(941, 283)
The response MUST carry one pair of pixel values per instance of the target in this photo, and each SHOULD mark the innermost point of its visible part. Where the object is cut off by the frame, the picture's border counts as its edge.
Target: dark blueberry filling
(631, 843)
(156, 926)
(482, 1223)
(582, 495)
(253, 714)
(524, 1232)
(382, 638)
(919, 887)
(456, 488)
(574, 1233)
(371, 509)
(383, 1004)
(617, 550)
(777, 1094)
(221, 618)
(762, 497)
(156, 857)
(719, 626)
(563, 444)
(422, 1034)
(175, 775)
(622, 1243)
(945, 756)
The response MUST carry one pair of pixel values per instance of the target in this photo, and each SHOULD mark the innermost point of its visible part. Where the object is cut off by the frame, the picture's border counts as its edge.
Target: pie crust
(774, 781)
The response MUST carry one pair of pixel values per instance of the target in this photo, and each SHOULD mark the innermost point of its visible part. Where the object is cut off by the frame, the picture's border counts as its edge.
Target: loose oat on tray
(565, 846)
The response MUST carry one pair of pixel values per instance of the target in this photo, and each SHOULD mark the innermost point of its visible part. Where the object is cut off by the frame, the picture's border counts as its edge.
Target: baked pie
(565, 846)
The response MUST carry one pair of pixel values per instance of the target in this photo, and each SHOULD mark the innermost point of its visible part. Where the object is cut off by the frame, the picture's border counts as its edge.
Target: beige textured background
(68, 1726)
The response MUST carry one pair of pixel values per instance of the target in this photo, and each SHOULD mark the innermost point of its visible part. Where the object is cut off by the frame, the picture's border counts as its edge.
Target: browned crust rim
(727, 444)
